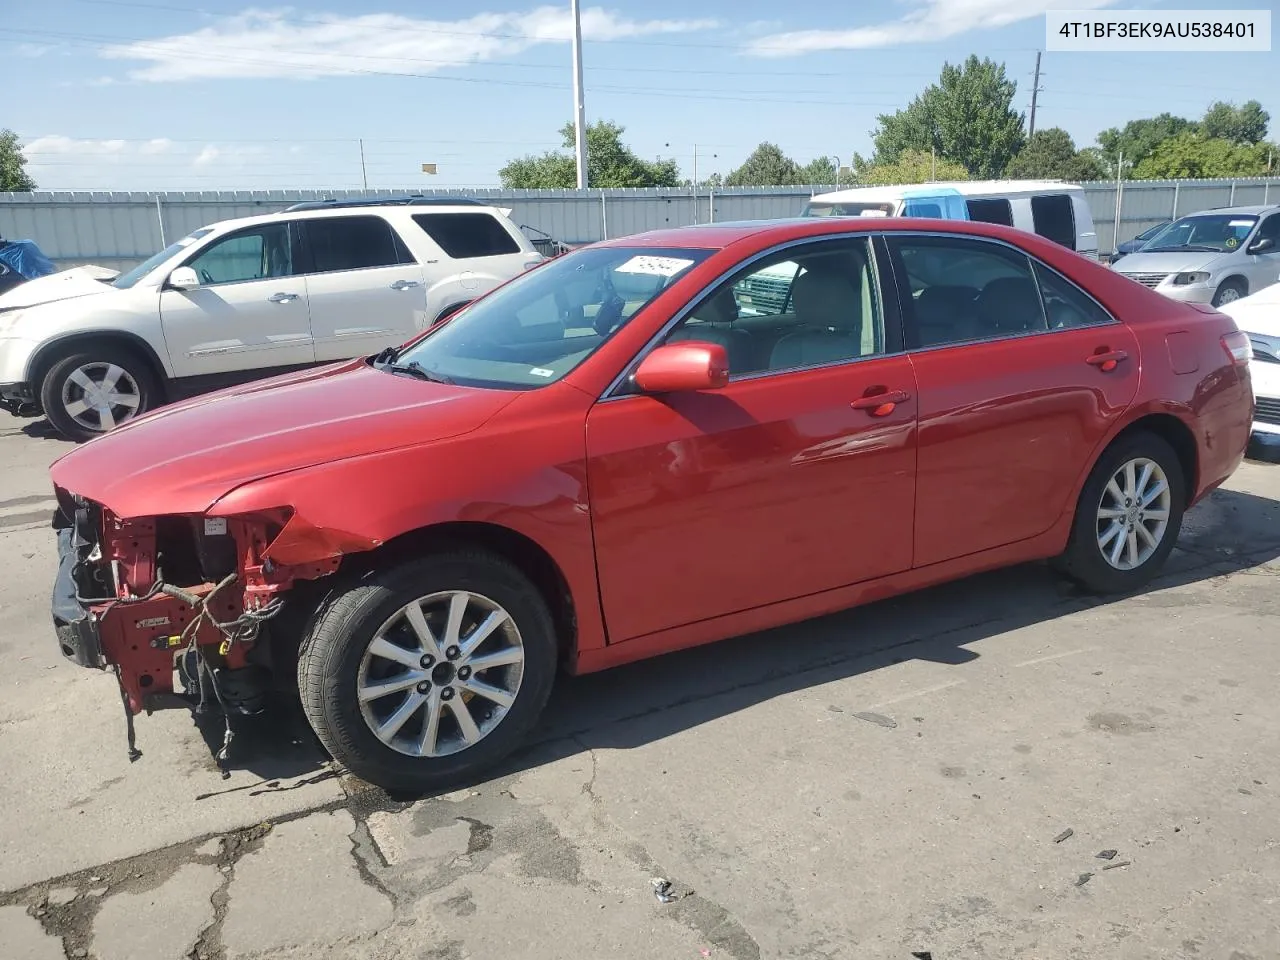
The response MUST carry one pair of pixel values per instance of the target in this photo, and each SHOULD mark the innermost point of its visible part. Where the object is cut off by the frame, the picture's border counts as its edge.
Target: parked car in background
(1051, 208)
(1212, 257)
(243, 299)
(20, 261)
(606, 460)
(1136, 244)
(1258, 315)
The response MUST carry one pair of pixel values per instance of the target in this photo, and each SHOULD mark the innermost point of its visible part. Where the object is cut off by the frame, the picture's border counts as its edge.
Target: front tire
(1128, 516)
(1228, 291)
(94, 389)
(427, 673)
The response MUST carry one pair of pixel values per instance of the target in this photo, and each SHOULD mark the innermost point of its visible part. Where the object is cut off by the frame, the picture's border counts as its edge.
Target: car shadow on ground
(645, 702)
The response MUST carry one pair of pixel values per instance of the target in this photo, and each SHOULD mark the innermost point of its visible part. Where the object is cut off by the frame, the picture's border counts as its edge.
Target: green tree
(912, 166)
(610, 163)
(1193, 155)
(1245, 124)
(13, 175)
(767, 166)
(1137, 139)
(820, 170)
(967, 116)
(1051, 154)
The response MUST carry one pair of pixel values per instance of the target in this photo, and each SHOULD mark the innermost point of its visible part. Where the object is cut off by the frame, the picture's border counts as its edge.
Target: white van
(1056, 210)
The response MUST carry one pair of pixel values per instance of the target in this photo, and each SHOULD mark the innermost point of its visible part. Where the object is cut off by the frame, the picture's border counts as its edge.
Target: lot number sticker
(655, 266)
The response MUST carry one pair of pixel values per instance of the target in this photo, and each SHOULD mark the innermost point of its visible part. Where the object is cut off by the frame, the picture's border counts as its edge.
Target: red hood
(182, 458)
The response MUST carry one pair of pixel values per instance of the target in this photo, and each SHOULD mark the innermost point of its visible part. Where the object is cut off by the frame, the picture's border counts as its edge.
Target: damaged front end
(188, 595)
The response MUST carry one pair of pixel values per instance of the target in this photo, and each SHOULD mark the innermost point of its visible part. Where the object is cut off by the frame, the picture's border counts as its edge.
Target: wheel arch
(1173, 430)
(1238, 278)
(450, 310)
(528, 556)
(48, 353)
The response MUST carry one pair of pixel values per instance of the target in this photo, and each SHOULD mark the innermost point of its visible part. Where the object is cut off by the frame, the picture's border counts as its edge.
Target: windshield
(1208, 233)
(541, 325)
(850, 209)
(127, 280)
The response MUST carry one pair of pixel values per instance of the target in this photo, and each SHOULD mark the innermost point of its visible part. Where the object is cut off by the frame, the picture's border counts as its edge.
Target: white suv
(245, 299)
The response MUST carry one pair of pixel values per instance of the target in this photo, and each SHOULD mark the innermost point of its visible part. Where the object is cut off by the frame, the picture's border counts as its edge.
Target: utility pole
(1115, 233)
(363, 175)
(579, 109)
(695, 183)
(1035, 90)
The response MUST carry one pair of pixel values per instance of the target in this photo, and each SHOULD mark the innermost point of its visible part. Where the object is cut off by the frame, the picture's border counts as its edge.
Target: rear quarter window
(1054, 219)
(466, 235)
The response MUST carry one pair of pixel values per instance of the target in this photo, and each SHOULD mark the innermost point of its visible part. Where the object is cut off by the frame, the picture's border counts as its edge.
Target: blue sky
(212, 94)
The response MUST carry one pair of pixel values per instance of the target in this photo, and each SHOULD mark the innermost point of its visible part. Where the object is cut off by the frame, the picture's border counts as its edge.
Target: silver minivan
(1213, 257)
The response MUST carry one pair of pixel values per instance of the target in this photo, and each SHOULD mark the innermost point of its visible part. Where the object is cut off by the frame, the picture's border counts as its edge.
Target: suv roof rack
(415, 200)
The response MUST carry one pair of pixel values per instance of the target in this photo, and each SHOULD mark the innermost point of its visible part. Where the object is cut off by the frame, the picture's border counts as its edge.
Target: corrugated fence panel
(120, 229)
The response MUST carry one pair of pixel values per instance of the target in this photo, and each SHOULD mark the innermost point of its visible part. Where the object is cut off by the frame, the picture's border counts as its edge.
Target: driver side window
(813, 305)
(259, 253)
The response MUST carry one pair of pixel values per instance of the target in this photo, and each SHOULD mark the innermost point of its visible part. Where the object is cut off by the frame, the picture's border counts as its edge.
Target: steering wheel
(609, 314)
(205, 276)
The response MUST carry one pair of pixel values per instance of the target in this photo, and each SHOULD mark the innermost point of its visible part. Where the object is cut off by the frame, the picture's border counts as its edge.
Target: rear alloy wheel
(428, 672)
(1128, 517)
(91, 392)
(1229, 291)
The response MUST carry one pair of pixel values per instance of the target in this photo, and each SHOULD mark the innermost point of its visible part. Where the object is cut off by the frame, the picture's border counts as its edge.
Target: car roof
(717, 236)
(1255, 209)
(342, 209)
(965, 188)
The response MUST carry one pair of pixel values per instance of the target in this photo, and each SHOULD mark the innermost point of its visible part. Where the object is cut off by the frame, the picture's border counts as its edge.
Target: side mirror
(1262, 245)
(183, 278)
(688, 365)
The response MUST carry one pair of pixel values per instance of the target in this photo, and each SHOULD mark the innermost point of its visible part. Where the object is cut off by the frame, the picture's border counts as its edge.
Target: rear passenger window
(1066, 304)
(466, 235)
(962, 290)
(353, 243)
(1053, 219)
(991, 211)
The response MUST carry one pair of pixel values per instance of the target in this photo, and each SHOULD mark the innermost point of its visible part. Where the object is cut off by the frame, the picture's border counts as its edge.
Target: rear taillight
(1238, 348)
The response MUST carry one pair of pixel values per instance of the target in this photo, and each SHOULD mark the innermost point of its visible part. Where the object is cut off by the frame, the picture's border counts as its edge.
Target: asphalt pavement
(1000, 767)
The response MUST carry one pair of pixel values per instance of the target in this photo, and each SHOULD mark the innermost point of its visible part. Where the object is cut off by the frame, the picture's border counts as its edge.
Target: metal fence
(120, 229)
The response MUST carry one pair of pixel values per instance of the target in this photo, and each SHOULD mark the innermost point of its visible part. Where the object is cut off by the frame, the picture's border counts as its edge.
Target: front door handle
(881, 404)
(1107, 360)
(282, 297)
(406, 284)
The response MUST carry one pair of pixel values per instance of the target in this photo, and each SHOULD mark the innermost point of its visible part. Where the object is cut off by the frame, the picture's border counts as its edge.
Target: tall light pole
(579, 108)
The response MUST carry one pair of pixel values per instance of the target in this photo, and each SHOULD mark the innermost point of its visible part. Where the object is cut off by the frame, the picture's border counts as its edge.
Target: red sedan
(644, 445)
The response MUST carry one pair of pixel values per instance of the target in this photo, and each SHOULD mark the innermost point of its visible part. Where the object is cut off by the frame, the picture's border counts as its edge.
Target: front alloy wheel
(441, 674)
(426, 673)
(95, 389)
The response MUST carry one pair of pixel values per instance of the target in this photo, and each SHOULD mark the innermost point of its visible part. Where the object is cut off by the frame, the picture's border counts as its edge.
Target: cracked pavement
(877, 783)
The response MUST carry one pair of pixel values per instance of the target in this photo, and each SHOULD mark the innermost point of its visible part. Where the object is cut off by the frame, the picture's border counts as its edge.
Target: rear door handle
(881, 404)
(282, 297)
(1108, 360)
(406, 284)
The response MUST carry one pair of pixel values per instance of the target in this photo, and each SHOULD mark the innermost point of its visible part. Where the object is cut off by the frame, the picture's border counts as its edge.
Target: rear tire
(1230, 290)
(430, 728)
(96, 388)
(1137, 485)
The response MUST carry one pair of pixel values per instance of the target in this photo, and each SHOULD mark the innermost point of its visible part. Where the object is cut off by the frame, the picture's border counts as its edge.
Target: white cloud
(57, 145)
(158, 145)
(260, 43)
(206, 156)
(33, 50)
(101, 82)
(931, 20)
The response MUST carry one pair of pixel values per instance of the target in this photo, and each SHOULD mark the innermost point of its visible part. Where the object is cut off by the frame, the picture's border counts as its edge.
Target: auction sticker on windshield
(655, 266)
